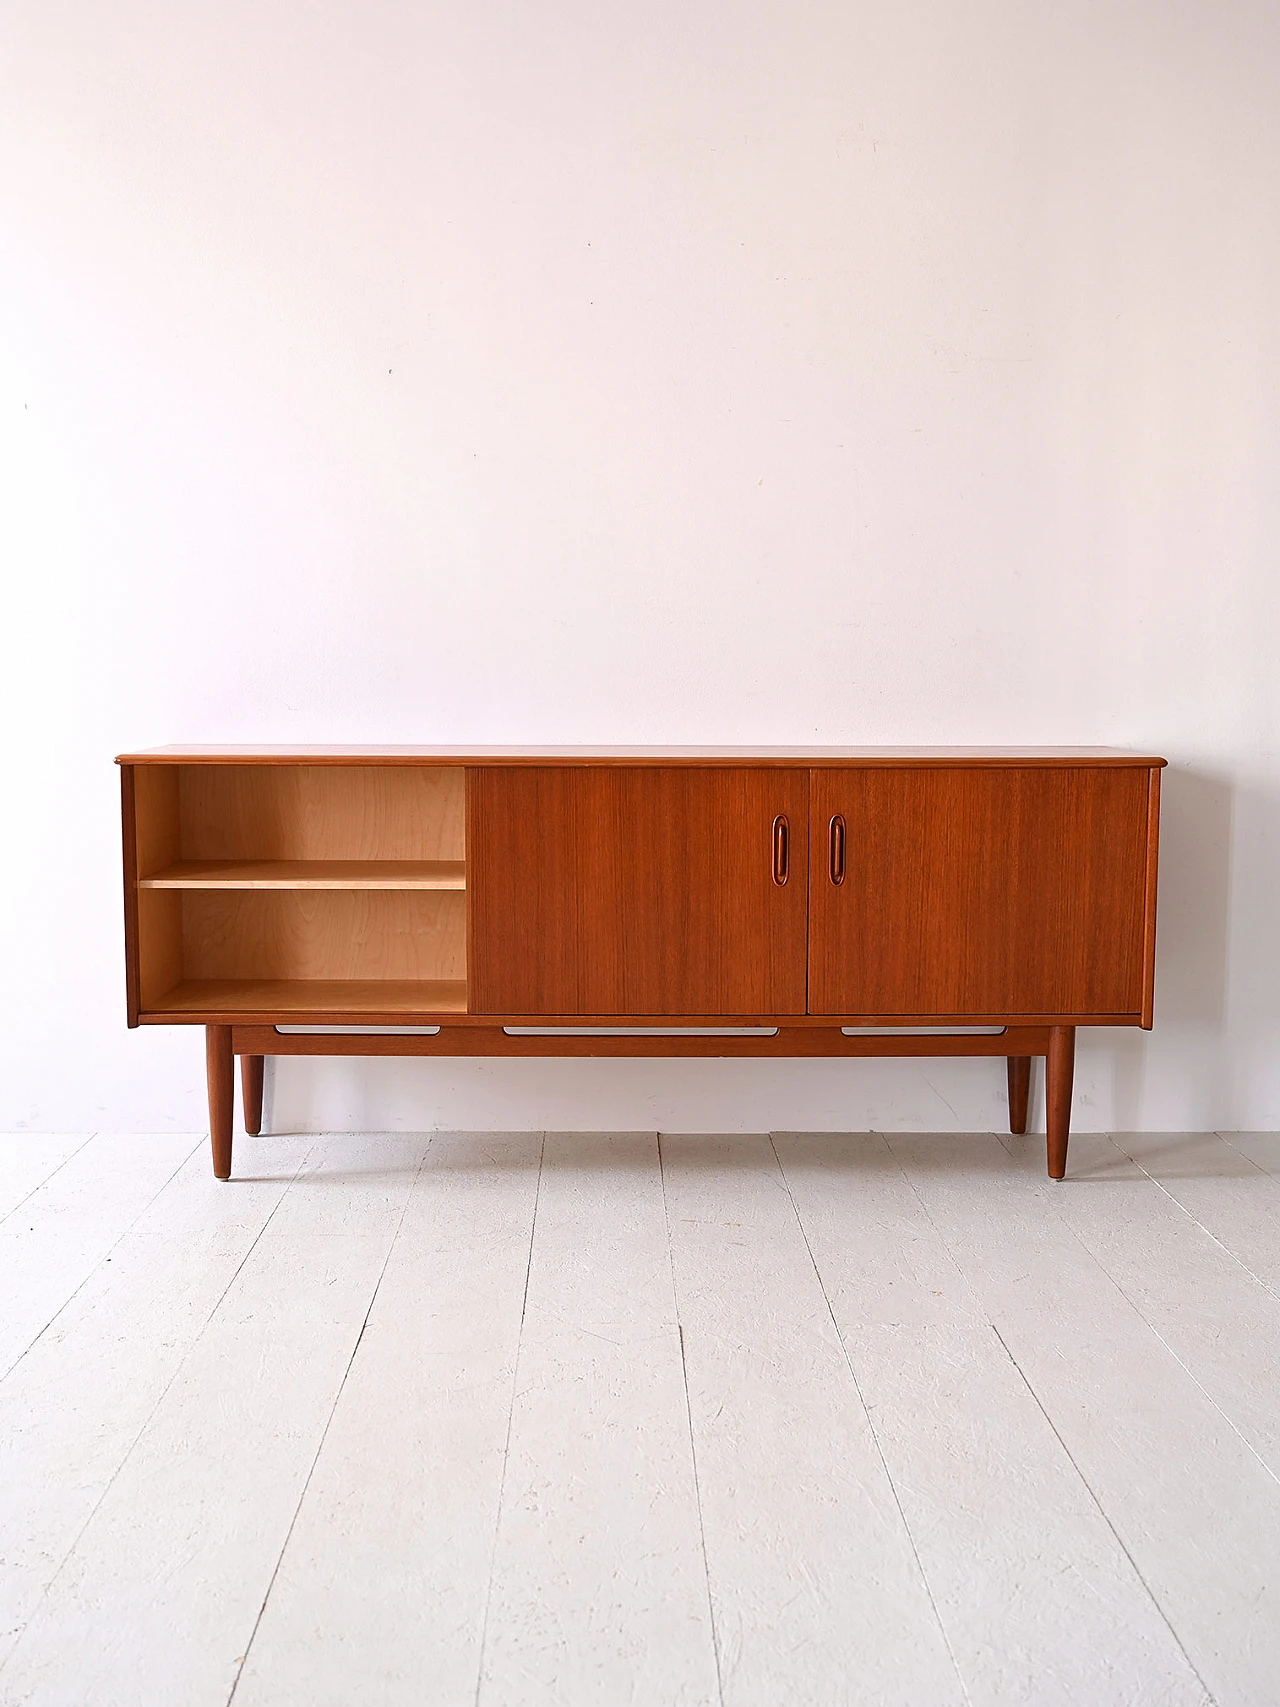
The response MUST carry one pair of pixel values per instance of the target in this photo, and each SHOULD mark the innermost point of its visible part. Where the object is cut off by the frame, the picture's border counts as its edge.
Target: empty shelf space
(309, 874)
(236, 997)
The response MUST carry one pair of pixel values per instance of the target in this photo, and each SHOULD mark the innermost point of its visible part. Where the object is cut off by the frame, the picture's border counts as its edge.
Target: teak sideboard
(640, 901)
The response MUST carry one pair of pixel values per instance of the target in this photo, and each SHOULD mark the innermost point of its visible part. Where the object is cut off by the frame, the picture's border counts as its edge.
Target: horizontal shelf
(275, 996)
(309, 874)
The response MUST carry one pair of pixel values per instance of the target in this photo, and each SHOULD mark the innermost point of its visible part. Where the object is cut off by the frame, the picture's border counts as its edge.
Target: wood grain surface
(350, 1000)
(220, 1068)
(154, 932)
(129, 849)
(317, 812)
(251, 1087)
(309, 874)
(645, 891)
(1149, 908)
(688, 755)
(323, 933)
(788, 1042)
(1013, 891)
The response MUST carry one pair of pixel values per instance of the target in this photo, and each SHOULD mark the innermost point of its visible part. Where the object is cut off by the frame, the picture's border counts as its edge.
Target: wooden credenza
(640, 901)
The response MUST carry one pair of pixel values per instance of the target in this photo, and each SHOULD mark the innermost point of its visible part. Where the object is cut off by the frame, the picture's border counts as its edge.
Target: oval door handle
(837, 849)
(781, 838)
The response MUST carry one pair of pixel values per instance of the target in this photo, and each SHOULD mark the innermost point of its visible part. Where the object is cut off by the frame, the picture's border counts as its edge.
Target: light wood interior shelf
(323, 996)
(309, 874)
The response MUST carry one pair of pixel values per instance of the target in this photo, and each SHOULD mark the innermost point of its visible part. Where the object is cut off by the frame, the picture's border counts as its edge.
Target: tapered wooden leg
(222, 1086)
(251, 1092)
(1058, 1073)
(1019, 1089)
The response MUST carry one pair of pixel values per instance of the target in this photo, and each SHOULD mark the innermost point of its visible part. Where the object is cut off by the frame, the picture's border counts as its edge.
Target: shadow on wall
(1197, 823)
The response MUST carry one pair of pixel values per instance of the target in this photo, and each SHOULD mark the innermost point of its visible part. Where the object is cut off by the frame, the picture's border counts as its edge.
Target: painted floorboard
(1195, 1509)
(1184, 1282)
(380, 1595)
(318, 1420)
(72, 1409)
(158, 1601)
(1262, 1148)
(1230, 1196)
(68, 1225)
(599, 1587)
(816, 1589)
(1039, 1600)
(28, 1159)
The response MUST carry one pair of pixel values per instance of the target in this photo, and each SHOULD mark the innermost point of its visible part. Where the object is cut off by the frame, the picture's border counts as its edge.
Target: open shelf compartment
(300, 889)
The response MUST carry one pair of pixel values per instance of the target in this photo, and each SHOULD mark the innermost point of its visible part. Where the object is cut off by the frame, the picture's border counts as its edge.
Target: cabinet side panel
(1009, 891)
(129, 841)
(322, 812)
(156, 807)
(1149, 909)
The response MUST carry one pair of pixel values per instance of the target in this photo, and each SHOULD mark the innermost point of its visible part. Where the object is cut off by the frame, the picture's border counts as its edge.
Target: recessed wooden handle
(837, 849)
(781, 838)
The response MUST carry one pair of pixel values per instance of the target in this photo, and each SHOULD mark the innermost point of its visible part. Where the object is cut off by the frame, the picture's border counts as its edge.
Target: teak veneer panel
(790, 1042)
(309, 874)
(635, 891)
(1012, 891)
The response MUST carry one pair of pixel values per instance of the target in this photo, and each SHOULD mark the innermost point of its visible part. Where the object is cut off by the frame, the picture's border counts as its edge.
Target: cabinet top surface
(355, 755)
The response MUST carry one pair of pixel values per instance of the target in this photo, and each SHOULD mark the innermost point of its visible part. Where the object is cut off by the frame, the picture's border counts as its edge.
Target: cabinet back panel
(636, 891)
(321, 812)
(327, 934)
(980, 891)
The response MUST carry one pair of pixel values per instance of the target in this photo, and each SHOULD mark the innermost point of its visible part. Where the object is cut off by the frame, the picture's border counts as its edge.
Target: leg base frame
(221, 1071)
(1058, 1075)
(1019, 1091)
(253, 1042)
(251, 1067)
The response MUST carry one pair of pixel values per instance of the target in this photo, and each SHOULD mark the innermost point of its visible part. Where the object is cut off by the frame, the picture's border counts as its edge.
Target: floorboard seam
(328, 1423)
(85, 1279)
(1102, 1512)
(875, 1437)
(688, 1410)
(1084, 1481)
(1197, 1222)
(511, 1412)
(978, 1303)
(1052, 1198)
(1226, 1139)
(164, 1393)
(53, 1174)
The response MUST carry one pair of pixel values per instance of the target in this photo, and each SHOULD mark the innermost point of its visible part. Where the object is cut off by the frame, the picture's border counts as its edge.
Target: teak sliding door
(969, 891)
(637, 890)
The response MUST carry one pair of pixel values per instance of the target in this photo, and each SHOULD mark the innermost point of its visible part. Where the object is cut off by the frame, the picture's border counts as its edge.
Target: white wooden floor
(604, 1420)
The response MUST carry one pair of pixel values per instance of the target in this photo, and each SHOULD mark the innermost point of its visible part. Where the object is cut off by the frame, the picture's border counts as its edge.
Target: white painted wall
(789, 371)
